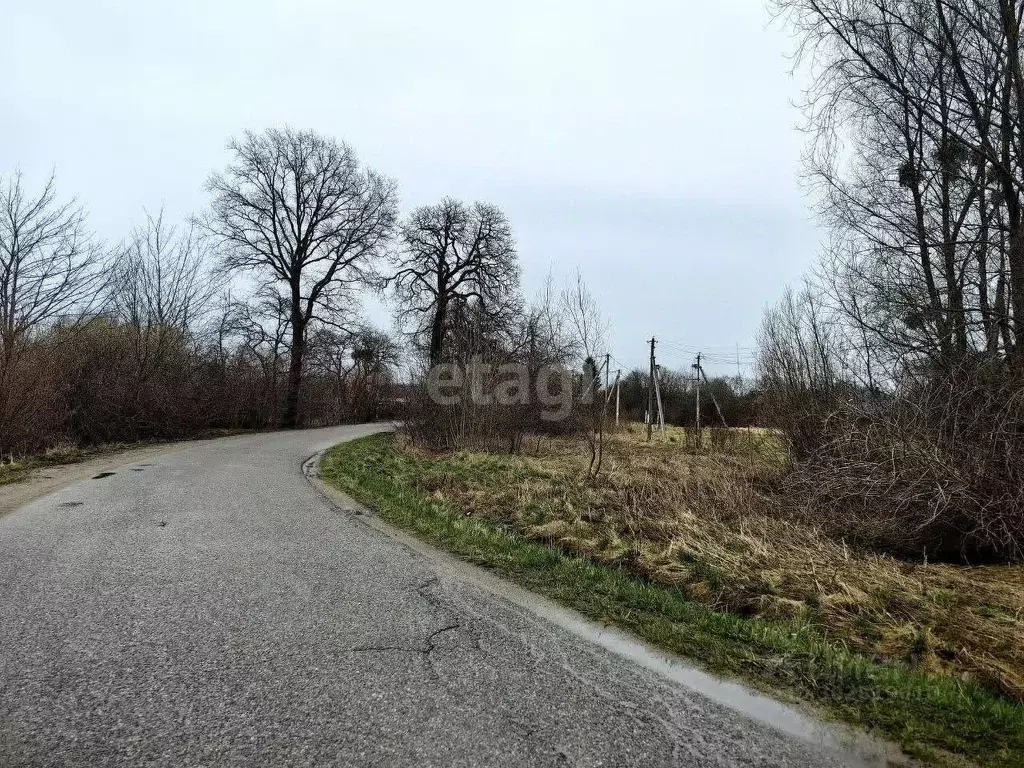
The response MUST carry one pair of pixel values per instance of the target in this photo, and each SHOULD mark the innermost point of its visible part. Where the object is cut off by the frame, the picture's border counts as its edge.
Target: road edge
(50, 479)
(859, 745)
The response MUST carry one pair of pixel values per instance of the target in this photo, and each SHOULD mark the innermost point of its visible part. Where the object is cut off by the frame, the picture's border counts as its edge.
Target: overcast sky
(652, 144)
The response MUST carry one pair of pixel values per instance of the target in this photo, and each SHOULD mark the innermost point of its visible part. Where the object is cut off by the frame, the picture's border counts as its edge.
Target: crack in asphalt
(426, 649)
(429, 644)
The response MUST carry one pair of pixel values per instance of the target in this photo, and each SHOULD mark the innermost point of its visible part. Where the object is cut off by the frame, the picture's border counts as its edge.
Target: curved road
(208, 607)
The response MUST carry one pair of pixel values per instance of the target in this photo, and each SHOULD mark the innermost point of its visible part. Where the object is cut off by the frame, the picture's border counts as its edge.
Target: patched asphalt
(210, 608)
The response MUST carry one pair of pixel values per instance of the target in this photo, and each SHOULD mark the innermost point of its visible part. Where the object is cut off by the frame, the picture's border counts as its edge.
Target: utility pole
(607, 372)
(697, 377)
(614, 385)
(657, 394)
(618, 389)
(650, 393)
(714, 400)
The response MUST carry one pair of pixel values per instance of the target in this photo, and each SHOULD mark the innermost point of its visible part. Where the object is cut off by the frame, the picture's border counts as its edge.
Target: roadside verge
(937, 719)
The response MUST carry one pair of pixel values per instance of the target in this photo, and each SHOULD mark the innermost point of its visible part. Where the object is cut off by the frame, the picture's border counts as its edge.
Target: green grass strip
(927, 715)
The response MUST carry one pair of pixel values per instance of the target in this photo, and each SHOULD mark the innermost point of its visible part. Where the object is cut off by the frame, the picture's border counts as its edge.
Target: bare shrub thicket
(897, 377)
(934, 469)
(51, 271)
(938, 471)
(801, 364)
(108, 343)
(925, 462)
(492, 376)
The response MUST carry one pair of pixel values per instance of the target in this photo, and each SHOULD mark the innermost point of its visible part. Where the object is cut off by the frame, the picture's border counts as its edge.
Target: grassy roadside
(929, 715)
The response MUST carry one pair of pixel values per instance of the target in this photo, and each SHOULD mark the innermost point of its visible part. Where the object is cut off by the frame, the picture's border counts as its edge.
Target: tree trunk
(1015, 268)
(1016, 284)
(935, 311)
(437, 332)
(290, 418)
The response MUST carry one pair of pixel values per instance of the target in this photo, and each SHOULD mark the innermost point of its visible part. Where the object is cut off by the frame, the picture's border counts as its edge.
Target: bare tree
(260, 327)
(375, 357)
(590, 329)
(330, 353)
(929, 201)
(801, 365)
(454, 253)
(50, 274)
(589, 326)
(50, 268)
(897, 377)
(295, 208)
(160, 288)
(357, 366)
(548, 338)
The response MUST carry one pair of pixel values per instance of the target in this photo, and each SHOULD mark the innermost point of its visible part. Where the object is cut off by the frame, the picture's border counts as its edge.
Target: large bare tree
(899, 386)
(453, 253)
(295, 208)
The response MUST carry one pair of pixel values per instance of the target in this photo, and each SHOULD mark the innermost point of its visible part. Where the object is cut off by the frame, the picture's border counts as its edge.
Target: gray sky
(652, 143)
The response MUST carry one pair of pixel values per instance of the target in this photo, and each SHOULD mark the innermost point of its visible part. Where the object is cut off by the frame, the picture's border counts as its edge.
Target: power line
(714, 351)
(722, 349)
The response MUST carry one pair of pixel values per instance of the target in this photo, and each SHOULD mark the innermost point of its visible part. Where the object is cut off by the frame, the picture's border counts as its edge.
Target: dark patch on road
(137, 469)
(162, 524)
(69, 504)
(102, 475)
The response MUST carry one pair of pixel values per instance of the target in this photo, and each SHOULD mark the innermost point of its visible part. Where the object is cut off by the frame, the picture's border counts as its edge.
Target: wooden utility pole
(604, 412)
(697, 368)
(657, 395)
(650, 393)
(615, 383)
(714, 400)
(618, 388)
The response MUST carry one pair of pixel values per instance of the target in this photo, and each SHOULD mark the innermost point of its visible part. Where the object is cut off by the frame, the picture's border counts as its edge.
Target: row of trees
(916, 108)
(725, 401)
(245, 316)
(898, 370)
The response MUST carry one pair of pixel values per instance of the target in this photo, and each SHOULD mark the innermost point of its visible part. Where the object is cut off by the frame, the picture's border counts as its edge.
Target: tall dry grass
(714, 525)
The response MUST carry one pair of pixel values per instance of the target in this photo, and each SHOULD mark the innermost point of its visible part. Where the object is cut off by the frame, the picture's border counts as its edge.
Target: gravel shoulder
(47, 480)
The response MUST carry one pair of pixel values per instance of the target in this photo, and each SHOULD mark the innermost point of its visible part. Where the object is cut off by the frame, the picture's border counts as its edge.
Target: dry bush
(711, 525)
(936, 471)
(929, 466)
(465, 424)
(30, 410)
(106, 381)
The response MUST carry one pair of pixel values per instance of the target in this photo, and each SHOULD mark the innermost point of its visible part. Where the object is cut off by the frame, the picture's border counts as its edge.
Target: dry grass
(710, 524)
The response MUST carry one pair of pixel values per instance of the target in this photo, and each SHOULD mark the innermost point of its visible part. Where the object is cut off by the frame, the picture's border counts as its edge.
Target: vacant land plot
(693, 550)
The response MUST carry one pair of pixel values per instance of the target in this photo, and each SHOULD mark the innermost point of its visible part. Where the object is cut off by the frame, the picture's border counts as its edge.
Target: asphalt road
(208, 607)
